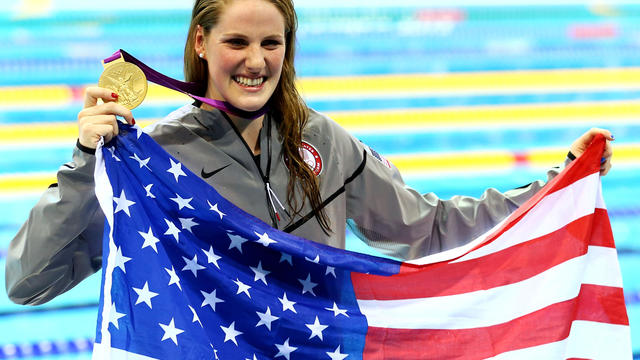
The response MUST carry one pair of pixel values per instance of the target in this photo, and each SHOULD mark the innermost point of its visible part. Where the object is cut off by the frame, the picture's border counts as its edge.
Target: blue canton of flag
(188, 275)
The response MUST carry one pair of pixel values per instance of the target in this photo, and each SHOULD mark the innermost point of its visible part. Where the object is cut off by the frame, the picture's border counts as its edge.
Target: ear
(199, 42)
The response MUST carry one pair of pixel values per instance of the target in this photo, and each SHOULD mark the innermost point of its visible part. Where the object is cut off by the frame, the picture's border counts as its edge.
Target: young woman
(291, 167)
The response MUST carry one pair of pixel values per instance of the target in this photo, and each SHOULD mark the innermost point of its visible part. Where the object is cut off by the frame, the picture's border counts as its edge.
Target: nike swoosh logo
(206, 175)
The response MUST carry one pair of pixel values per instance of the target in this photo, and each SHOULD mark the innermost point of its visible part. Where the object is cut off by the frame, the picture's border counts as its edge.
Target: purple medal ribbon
(188, 88)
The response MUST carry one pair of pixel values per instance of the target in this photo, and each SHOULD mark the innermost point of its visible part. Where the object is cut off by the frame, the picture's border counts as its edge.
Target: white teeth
(248, 82)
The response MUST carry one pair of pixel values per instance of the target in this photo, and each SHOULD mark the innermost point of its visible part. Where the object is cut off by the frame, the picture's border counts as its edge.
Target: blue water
(69, 111)
(66, 46)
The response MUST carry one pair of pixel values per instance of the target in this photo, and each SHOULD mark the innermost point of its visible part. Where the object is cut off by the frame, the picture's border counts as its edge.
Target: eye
(237, 42)
(271, 44)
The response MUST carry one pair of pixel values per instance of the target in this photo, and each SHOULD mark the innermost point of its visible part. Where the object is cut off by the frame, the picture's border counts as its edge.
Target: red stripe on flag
(602, 304)
(514, 264)
(587, 164)
(551, 324)
(601, 232)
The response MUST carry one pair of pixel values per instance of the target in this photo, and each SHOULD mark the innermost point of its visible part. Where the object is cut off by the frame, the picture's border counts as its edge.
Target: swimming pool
(500, 92)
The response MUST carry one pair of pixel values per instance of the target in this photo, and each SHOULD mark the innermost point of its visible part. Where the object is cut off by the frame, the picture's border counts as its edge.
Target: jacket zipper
(273, 213)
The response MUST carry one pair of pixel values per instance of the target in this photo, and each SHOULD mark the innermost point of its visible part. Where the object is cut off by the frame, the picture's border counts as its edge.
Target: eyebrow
(241, 35)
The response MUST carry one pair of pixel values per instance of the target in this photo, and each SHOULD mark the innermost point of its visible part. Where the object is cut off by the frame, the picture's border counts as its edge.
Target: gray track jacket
(60, 244)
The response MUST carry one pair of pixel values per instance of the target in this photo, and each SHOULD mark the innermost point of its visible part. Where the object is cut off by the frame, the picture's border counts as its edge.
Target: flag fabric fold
(188, 275)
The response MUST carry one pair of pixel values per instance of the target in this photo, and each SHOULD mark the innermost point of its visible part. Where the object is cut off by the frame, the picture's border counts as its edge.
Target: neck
(249, 128)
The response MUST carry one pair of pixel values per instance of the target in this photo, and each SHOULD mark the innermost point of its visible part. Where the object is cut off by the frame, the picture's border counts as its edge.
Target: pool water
(516, 82)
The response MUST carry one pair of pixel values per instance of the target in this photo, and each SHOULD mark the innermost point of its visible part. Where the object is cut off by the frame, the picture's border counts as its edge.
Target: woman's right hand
(95, 121)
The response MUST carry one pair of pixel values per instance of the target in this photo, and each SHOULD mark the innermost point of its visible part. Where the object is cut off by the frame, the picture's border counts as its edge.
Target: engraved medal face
(126, 80)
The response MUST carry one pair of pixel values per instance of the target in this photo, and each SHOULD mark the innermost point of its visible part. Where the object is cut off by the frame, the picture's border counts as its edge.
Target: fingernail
(114, 95)
(613, 137)
(133, 121)
(602, 161)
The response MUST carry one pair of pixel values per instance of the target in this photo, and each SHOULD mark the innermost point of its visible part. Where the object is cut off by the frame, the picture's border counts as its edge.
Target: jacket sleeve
(60, 244)
(390, 216)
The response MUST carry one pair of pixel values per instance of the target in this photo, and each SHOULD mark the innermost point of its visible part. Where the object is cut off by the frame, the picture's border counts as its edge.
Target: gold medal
(126, 80)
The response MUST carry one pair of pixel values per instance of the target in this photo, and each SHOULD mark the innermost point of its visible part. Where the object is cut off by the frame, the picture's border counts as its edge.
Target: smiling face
(244, 51)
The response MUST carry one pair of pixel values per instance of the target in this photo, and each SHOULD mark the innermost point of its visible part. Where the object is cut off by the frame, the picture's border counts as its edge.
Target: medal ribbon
(188, 88)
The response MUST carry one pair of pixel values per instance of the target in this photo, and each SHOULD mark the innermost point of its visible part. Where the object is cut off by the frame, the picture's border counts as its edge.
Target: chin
(249, 105)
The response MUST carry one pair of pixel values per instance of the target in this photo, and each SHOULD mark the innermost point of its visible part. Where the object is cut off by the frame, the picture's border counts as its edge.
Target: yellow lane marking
(604, 10)
(550, 157)
(43, 132)
(161, 93)
(491, 160)
(38, 132)
(540, 79)
(388, 84)
(443, 162)
(490, 115)
(407, 164)
(397, 120)
(26, 96)
(32, 8)
(26, 182)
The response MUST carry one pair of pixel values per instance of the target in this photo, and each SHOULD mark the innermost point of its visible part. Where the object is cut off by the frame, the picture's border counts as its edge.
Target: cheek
(276, 60)
(222, 64)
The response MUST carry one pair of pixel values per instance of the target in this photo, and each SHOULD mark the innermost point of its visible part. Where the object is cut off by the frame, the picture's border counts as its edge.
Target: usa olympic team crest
(312, 157)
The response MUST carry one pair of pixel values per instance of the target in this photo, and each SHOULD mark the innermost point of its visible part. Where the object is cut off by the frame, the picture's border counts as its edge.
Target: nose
(255, 60)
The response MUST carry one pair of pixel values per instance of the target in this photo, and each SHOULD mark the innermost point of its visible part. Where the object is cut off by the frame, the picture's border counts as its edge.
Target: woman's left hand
(580, 145)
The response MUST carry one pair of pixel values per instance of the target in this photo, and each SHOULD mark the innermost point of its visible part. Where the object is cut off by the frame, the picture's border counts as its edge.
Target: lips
(249, 82)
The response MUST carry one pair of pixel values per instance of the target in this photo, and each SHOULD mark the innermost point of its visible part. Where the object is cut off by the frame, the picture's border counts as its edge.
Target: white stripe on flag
(104, 193)
(498, 305)
(603, 268)
(599, 198)
(553, 212)
(587, 340)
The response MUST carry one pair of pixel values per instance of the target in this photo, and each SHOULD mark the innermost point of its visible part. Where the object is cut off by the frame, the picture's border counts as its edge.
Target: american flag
(188, 275)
